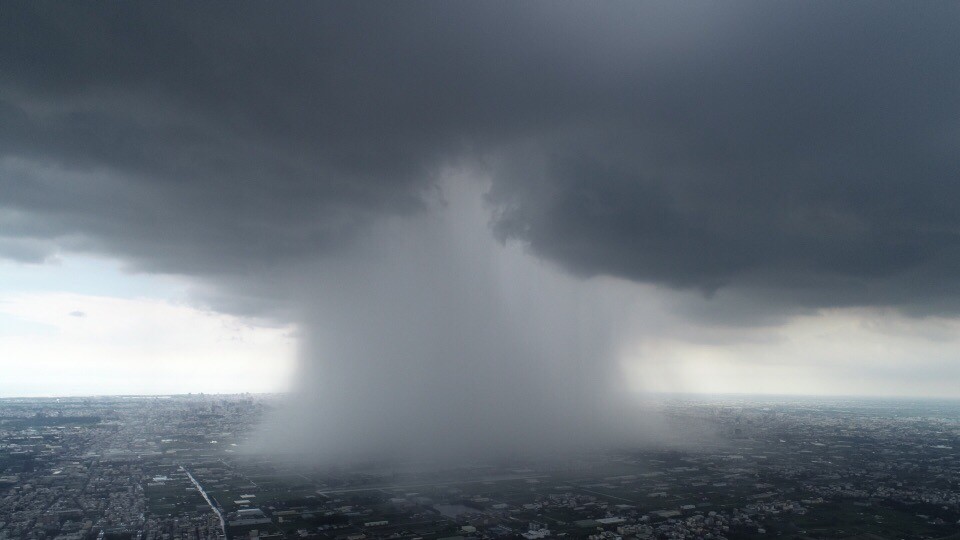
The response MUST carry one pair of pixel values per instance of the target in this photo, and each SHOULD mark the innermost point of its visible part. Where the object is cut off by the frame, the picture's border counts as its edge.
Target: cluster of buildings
(83, 468)
(170, 469)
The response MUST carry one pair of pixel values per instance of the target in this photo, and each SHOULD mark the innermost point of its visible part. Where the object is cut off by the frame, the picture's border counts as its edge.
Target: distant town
(171, 468)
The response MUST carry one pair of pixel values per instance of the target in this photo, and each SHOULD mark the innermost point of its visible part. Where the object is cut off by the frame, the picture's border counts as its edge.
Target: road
(215, 508)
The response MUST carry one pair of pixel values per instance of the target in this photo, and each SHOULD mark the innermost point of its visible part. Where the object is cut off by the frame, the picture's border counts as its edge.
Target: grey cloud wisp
(799, 154)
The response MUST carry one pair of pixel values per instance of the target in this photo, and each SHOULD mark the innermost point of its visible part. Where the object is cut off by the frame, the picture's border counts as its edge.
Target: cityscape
(472, 270)
(174, 467)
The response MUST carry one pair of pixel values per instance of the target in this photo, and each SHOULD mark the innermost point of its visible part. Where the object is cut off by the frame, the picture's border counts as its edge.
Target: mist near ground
(432, 340)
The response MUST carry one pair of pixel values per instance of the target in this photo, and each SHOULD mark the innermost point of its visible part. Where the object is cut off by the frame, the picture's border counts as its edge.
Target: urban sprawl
(174, 468)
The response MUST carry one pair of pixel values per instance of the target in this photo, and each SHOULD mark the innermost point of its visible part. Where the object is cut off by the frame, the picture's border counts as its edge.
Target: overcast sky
(723, 197)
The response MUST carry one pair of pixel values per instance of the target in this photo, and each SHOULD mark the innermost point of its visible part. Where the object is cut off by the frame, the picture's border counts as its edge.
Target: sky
(84, 326)
(391, 208)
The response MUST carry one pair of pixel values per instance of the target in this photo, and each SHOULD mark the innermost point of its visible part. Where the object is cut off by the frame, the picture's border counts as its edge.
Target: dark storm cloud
(803, 151)
(810, 156)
